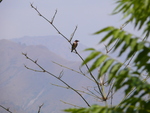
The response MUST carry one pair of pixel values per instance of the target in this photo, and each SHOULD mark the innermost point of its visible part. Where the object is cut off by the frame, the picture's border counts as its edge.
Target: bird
(74, 45)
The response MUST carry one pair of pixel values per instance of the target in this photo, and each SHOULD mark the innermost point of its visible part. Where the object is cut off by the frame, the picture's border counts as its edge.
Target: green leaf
(113, 71)
(127, 38)
(104, 68)
(123, 49)
(133, 43)
(104, 30)
(90, 57)
(89, 49)
(107, 36)
(98, 61)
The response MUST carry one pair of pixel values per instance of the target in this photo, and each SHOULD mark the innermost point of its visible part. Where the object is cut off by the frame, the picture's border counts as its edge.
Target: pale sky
(18, 19)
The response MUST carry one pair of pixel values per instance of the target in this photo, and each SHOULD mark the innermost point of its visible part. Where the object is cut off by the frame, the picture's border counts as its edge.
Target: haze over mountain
(23, 90)
(56, 44)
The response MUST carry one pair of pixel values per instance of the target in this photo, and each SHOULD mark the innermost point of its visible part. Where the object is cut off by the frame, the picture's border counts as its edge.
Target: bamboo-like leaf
(104, 68)
(111, 41)
(123, 49)
(127, 38)
(140, 55)
(118, 44)
(91, 56)
(121, 34)
(104, 30)
(116, 33)
(122, 75)
(89, 49)
(140, 45)
(114, 70)
(93, 109)
(107, 36)
(133, 43)
(98, 62)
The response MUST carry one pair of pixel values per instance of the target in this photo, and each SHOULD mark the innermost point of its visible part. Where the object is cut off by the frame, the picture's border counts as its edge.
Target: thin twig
(69, 88)
(66, 67)
(70, 44)
(32, 69)
(43, 70)
(61, 74)
(73, 70)
(72, 35)
(70, 104)
(85, 74)
(93, 94)
(50, 22)
(7, 109)
(40, 108)
(54, 16)
(92, 76)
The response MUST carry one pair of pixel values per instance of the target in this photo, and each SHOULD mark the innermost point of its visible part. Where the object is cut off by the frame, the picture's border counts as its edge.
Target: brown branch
(93, 93)
(50, 22)
(66, 67)
(77, 90)
(70, 44)
(92, 76)
(70, 104)
(7, 109)
(61, 74)
(72, 69)
(40, 108)
(43, 70)
(54, 16)
(72, 35)
(110, 88)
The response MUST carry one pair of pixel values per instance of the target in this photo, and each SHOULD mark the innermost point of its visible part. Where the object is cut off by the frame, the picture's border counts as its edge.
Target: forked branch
(69, 40)
(58, 78)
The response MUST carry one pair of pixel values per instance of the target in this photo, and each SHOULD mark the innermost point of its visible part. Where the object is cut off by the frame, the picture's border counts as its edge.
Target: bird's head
(76, 40)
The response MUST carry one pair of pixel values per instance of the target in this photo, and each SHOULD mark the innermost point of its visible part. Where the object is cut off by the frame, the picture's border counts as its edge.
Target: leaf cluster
(133, 48)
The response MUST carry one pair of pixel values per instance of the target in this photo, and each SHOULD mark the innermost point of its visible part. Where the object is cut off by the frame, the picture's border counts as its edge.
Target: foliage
(136, 49)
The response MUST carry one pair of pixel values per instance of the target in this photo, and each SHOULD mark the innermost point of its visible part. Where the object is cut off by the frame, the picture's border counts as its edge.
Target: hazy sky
(18, 19)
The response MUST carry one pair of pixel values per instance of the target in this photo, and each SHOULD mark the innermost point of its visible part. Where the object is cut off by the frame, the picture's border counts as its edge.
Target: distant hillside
(23, 90)
(56, 44)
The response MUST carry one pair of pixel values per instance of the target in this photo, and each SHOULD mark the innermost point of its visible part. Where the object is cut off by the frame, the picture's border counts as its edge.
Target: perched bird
(74, 45)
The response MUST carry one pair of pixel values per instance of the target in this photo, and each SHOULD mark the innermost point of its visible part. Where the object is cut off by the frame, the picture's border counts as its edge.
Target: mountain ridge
(54, 43)
(23, 90)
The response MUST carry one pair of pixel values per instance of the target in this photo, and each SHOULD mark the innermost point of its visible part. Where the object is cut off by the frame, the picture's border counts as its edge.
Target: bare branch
(70, 104)
(77, 90)
(73, 70)
(92, 75)
(110, 89)
(72, 35)
(85, 74)
(66, 67)
(107, 51)
(93, 93)
(50, 22)
(32, 69)
(40, 108)
(61, 74)
(70, 43)
(54, 16)
(7, 109)
(55, 77)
